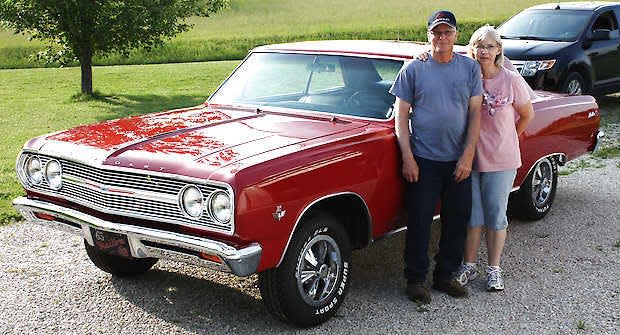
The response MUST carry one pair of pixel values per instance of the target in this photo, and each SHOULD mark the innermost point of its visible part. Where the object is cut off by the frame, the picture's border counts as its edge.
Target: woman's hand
(422, 57)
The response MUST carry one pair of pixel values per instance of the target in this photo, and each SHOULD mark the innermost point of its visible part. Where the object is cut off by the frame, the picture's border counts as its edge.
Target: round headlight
(53, 173)
(34, 171)
(191, 201)
(220, 206)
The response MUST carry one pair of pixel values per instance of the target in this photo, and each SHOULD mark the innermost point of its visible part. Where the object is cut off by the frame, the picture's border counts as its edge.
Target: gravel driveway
(561, 278)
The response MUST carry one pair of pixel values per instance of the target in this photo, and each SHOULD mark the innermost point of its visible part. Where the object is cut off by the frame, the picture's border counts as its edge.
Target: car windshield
(343, 85)
(546, 25)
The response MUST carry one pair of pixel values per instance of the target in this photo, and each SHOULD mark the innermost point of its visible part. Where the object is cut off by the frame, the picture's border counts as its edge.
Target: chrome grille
(151, 197)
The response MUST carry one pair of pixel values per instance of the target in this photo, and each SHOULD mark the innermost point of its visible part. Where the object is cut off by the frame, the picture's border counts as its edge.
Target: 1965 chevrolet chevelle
(288, 166)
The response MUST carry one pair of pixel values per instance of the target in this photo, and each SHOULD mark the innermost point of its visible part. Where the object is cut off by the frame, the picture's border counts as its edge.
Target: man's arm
(463, 166)
(410, 166)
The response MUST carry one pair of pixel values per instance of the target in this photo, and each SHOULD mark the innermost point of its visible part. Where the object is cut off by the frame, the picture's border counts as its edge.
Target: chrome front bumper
(145, 242)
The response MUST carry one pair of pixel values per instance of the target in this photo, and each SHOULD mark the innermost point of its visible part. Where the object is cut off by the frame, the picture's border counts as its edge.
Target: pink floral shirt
(498, 145)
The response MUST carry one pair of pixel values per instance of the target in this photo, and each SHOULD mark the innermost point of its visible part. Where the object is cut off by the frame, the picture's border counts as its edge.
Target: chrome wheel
(574, 84)
(542, 183)
(574, 87)
(318, 269)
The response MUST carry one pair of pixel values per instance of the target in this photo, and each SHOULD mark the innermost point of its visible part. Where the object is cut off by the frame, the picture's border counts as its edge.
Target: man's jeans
(436, 181)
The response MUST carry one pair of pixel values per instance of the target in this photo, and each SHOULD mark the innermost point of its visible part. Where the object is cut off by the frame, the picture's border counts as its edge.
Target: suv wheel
(574, 84)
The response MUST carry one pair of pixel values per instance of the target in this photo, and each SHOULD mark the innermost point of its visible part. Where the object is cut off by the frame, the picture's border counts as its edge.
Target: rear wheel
(311, 283)
(574, 84)
(116, 265)
(535, 197)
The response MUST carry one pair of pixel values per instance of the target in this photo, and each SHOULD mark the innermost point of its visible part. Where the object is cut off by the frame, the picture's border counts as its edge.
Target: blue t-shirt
(439, 94)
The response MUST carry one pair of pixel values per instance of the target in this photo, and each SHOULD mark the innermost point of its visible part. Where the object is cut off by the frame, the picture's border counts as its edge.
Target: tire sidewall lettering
(339, 292)
(343, 277)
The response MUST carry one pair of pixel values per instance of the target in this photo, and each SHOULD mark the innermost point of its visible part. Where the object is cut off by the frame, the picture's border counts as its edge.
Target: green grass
(249, 23)
(38, 101)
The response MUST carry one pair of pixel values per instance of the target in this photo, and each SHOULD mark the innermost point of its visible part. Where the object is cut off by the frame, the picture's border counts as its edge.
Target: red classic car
(288, 166)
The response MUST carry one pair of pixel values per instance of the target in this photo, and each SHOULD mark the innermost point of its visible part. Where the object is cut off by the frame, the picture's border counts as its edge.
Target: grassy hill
(248, 23)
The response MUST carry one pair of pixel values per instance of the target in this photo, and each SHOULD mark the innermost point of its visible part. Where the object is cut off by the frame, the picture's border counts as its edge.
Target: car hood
(190, 141)
(532, 49)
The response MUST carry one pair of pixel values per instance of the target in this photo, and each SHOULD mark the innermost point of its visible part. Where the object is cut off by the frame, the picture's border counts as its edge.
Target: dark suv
(569, 47)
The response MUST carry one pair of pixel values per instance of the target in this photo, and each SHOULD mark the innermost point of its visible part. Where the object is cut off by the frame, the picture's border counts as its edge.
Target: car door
(605, 54)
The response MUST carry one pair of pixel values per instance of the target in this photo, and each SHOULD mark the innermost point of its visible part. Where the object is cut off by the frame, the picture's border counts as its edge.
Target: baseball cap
(441, 16)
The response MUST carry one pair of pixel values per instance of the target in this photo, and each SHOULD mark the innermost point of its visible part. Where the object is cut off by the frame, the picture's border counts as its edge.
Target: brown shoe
(419, 293)
(452, 287)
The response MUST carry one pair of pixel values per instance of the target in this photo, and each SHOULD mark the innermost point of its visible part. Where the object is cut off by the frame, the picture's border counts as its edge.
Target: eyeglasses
(445, 33)
(487, 47)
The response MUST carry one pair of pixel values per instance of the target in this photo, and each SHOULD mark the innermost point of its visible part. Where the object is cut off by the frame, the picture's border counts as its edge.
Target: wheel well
(350, 211)
(581, 69)
(558, 158)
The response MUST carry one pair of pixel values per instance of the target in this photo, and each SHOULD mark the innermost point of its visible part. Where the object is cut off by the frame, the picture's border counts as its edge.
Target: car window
(326, 75)
(324, 83)
(606, 21)
(546, 25)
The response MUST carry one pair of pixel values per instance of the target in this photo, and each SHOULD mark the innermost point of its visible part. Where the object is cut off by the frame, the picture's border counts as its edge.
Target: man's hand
(411, 171)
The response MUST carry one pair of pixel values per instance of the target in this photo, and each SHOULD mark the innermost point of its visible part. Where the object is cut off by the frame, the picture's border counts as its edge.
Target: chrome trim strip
(552, 155)
(241, 262)
(303, 212)
(398, 230)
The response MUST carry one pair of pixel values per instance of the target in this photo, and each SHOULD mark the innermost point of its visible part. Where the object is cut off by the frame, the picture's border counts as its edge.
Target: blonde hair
(480, 35)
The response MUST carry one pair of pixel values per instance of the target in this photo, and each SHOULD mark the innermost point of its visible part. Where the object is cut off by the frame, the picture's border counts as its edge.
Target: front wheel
(574, 84)
(311, 283)
(116, 265)
(535, 197)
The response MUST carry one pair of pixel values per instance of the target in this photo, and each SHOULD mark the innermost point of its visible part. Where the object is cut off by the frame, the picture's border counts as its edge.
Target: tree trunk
(86, 65)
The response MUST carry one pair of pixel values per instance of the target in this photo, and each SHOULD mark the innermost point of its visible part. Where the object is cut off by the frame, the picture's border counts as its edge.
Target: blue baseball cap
(441, 16)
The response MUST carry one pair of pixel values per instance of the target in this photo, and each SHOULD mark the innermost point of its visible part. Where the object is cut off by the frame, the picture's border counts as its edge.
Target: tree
(80, 29)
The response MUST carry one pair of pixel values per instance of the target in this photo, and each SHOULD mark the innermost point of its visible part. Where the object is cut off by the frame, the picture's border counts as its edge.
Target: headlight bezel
(182, 202)
(58, 173)
(213, 198)
(28, 171)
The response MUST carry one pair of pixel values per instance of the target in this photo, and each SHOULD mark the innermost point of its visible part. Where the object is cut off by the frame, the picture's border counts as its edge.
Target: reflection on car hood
(195, 138)
(531, 49)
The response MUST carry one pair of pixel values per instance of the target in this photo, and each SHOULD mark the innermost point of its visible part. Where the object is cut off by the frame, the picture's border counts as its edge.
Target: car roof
(578, 5)
(376, 48)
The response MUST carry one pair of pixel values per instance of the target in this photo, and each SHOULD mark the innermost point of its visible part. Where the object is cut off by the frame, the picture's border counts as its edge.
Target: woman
(506, 96)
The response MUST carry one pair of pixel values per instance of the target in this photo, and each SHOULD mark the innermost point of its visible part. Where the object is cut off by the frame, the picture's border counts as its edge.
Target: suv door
(605, 54)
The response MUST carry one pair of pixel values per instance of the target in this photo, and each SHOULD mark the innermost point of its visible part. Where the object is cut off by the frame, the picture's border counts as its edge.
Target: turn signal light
(43, 216)
(211, 258)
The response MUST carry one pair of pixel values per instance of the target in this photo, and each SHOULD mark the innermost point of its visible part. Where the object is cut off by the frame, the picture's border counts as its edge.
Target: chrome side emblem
(279, 213)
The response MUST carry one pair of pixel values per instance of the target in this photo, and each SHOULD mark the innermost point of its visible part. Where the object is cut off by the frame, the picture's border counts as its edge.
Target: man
(445, 97)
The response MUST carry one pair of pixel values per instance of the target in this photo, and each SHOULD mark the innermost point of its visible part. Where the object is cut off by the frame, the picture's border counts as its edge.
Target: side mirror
(600, 35)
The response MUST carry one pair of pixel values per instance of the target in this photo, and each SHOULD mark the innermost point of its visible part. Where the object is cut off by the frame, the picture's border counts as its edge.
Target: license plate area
(111, 243)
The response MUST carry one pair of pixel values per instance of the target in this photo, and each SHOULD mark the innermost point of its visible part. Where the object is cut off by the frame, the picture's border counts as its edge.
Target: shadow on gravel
(198, 304)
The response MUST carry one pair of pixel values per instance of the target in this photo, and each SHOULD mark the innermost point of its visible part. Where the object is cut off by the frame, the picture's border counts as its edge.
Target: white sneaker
(494, 279)
(466, 273)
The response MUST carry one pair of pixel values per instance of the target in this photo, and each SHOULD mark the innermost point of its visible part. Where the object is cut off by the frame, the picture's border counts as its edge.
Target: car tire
(311, 282)
(535, 197)
(116, 265)
(574, 84)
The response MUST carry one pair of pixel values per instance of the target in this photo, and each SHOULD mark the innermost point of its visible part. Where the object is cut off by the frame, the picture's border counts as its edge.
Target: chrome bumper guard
(597, 145)
(146, 242)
